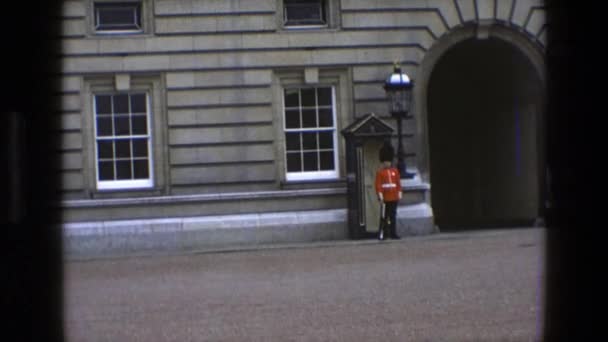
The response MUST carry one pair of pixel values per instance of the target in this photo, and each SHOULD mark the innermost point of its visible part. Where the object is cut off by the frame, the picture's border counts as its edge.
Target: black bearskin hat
(386, 152)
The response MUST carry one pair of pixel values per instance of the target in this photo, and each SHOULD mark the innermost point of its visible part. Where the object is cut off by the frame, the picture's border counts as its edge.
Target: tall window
(305, 13)
(123, 144)
(118, 17)
(310, 133)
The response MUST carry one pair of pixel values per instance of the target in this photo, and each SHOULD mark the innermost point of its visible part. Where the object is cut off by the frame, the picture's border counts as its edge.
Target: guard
(388, 188)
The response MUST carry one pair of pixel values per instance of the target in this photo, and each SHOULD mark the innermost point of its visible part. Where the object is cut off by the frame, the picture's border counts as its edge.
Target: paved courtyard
(470, 286)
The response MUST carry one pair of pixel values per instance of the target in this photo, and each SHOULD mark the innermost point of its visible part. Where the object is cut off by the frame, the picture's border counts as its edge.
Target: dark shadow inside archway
(484, 103)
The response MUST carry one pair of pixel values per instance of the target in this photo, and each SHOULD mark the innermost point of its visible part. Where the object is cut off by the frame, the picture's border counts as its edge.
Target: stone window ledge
(239, 196)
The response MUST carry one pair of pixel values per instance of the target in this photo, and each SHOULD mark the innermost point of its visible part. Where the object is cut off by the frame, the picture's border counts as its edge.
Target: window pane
(292, 119)
(105, 149)
(104, 126)
(123, 148)
(103, 104)
(309, 141)
(304, 12)
(324, 96)
(309, 118)
(311, 161)
(312, 149)
(326, 140)
(292, 141)
(140, 124)
(106, 170)
(308, 97)
(121, 125)
(140, 147)
(118, 16)
(123, 169)
(294, 162)
(327, 161)
(121, 104)
(292, 98)
(138, 103)
(141, 169)
(326, 118)
(122, 155)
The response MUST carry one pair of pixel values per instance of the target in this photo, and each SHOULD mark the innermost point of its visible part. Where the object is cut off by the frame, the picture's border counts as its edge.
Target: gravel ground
(475, 286)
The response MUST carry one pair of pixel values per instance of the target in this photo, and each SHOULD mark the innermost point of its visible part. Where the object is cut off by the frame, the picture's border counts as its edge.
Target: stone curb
(308, 245)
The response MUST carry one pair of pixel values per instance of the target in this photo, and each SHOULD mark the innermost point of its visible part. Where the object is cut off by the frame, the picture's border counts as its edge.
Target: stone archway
(481, 108)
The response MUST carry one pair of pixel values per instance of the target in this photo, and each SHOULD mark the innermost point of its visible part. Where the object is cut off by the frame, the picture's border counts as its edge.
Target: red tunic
(388, 183)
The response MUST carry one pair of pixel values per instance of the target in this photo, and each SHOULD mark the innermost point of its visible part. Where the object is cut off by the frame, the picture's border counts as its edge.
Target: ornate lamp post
(398, 87)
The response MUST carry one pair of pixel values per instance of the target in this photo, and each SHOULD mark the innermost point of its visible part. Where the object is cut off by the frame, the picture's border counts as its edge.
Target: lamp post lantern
(398, 87)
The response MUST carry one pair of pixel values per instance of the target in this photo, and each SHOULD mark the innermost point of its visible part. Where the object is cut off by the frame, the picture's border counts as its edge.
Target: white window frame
(132, 183)
(312, 175)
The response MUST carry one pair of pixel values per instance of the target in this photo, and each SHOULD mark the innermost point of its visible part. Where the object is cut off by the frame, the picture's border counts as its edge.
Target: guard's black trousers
(390, 218)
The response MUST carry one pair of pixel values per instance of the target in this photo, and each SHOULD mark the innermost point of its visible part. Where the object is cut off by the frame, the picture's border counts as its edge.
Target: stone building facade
(206, 122)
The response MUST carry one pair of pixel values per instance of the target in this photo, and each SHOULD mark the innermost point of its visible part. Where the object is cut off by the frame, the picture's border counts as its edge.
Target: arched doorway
(484, 113)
